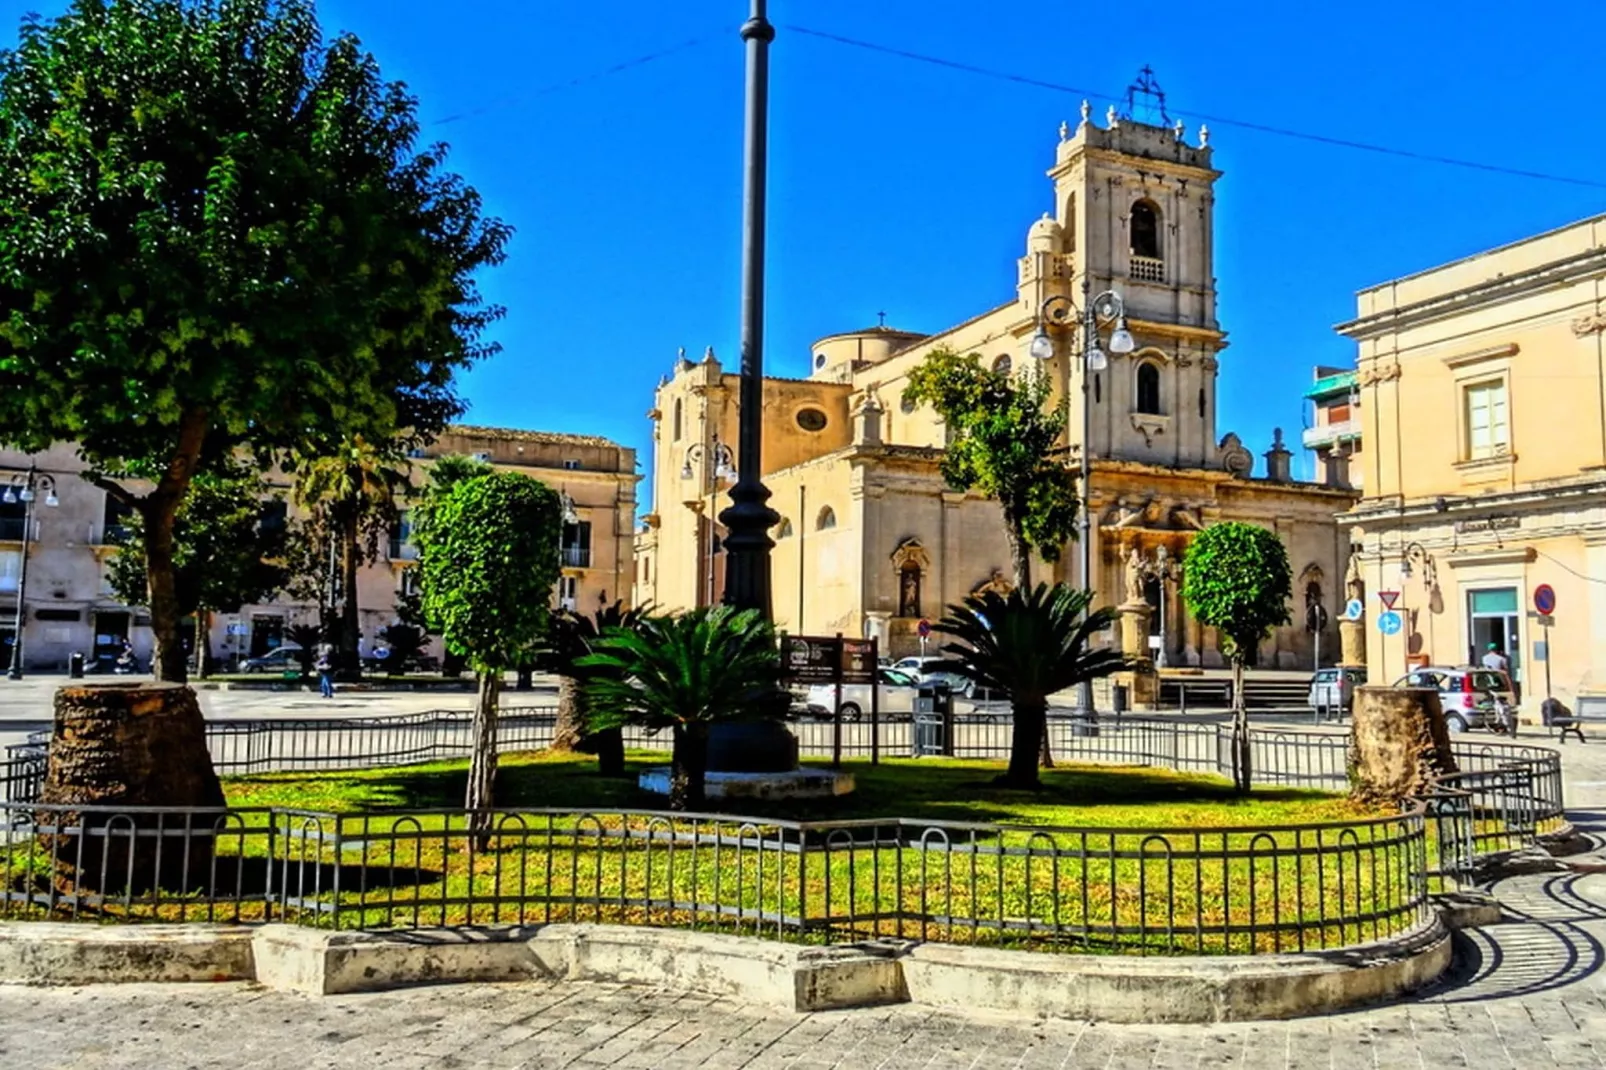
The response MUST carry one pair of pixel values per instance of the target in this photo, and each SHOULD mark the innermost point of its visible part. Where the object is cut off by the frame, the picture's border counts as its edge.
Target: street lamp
(724, 471)
(1165, 570)
(724, 460)
(22, 488)
(1057, 311)
(749, 518)
(1415, 551)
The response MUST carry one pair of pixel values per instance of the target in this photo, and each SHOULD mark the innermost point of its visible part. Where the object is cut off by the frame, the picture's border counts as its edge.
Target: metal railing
(1133, 890)
(1168, 890)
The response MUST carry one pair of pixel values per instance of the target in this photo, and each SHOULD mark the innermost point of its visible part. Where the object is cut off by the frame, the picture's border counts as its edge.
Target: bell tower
(1134, 207)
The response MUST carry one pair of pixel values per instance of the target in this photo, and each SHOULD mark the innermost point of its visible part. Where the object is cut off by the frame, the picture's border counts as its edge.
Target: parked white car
(919, 669)
(898, 690)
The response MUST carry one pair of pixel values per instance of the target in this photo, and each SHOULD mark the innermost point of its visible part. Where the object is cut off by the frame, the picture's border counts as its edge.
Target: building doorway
(1493, 616)
(111, 632)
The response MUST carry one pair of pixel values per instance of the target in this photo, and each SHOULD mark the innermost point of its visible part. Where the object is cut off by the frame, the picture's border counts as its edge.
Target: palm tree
(684, 673)
(1027, 644)
(353, 492)
(574, 637)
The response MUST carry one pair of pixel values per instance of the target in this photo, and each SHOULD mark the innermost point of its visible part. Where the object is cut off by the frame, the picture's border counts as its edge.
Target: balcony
(11, 528)
(1327, 434)
(1147, 269)
(575, 556)
(402, 550)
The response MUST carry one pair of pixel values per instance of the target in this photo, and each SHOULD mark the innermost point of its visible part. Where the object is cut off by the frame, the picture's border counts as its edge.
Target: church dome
(1044, 237)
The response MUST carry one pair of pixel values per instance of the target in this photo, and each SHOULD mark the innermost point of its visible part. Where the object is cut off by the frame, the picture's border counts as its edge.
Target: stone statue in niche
(1354, 586)
(909, 591)
(1134, 577)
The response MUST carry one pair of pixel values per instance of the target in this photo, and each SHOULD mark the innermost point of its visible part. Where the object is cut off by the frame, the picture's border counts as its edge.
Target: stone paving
(1526, 993)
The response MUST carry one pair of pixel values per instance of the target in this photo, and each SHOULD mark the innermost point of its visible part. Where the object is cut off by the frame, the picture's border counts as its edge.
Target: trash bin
(934, 720)
(75, 665)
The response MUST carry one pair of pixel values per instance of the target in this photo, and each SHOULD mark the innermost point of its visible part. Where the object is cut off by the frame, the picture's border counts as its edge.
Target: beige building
(1335, 432)
(872, 541)
(69, 607)
(1483, 386)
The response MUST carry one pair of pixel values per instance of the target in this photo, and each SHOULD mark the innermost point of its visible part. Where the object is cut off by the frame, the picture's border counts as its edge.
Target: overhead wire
(1220, 120)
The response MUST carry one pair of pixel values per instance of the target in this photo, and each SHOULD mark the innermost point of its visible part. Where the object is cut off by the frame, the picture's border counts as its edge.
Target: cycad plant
(1028, 644)
(685, 673)
(574, 636)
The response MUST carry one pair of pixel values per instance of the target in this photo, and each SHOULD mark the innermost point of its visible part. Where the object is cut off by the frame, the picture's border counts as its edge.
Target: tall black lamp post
(749, 518)
(23, 487)
(1107, 307)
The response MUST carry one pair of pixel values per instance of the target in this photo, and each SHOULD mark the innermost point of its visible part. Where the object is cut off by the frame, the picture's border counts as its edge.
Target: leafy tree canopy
(1236, 578)
(1006, 443)
(217, 231)
(488, 562)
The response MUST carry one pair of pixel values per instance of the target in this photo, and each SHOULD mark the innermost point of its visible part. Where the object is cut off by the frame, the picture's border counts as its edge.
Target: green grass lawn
(1078, 865)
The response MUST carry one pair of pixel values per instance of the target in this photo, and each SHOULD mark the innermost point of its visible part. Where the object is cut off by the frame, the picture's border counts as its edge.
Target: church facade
(872, 540)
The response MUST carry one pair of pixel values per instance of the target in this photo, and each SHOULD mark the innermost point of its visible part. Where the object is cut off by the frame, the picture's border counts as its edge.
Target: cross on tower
(1153, 103)
(882, 318)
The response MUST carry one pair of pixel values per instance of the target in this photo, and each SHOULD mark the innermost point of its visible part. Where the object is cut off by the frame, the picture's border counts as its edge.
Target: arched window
(1001, 364)
(1145, 224)
(827, 519)
(1148, 389)
(783, 530)
(677, 420)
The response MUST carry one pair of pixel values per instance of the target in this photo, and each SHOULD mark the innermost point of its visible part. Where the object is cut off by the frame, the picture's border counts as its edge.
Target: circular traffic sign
(1545, 599)
(925, 629)
(1388, 623)
(1353, 609)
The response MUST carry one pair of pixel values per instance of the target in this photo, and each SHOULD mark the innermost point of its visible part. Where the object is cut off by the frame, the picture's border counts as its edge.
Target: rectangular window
(568, 592)
(10, 569)
(1488, 431)
(571, 465)
(576, 545)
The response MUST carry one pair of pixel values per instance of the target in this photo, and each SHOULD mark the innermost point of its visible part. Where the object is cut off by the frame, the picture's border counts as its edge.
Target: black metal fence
(1137, 890)
(1220, 890)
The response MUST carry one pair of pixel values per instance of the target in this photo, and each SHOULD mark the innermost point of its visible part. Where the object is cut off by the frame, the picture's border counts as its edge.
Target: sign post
(834, 660)
(1545, 605)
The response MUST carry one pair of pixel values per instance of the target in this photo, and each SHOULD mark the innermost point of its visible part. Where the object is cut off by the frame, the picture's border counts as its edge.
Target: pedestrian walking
(1496, 660)
(325, 666)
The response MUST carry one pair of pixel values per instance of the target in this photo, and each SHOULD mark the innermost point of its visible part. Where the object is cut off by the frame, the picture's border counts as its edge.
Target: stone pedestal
(1399, 744)
(1352, 643)
(1135, 630)
(1142, 686)
(128, 745)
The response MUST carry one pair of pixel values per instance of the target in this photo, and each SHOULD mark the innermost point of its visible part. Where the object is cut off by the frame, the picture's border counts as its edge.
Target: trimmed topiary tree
(487, 559)
(1236, 579)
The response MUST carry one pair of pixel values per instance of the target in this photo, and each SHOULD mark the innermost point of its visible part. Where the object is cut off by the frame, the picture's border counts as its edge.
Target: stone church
(871, 539)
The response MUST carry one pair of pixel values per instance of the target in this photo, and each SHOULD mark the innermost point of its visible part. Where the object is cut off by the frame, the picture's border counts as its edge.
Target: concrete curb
(789, 977)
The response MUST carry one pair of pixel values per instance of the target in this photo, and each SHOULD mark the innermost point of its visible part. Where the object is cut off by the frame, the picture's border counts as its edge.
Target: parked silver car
(1467, 694)
(1333, 690)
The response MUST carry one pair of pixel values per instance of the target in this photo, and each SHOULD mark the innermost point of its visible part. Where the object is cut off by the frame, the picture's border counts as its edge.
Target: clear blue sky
(907, 187)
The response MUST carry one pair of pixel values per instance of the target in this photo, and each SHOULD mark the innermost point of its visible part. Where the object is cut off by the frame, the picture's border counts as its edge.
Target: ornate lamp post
(22, 487)
(1059, 310)
(749, 518)
(1165, 570)
(724, 471)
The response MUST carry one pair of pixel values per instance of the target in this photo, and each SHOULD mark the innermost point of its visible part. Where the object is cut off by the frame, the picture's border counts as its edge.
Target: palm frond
(1028, 644)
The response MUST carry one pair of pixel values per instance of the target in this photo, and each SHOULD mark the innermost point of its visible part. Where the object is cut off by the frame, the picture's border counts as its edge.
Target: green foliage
(1236, 578)
(1029, 643)
(695, 668)
(217, 231)
(444, 474)
(352, 491)
(224, 555)
(488, 561)
(1006, 443)
(575, 635)
(403, 643)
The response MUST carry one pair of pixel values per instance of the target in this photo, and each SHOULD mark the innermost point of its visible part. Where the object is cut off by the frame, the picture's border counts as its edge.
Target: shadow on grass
(925, 789)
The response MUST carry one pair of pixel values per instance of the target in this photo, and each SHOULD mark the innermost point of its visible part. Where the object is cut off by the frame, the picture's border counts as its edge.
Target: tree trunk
(689, 767)
(482, 765)
(159, 510)
(1242, 775)
(1045, 757)
(202, 654)
(570, 729)
(130, 745)
(350, 626)
(1020, 560)
(1025, 743)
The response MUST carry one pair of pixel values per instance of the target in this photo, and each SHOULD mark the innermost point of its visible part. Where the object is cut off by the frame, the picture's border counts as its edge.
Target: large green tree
(1236, 579)
(1005, 442)
(217, 232)
(227, 550)
(488, 558)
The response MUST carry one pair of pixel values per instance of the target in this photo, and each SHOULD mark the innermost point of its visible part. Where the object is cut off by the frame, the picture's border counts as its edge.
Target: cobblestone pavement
(1526, 993)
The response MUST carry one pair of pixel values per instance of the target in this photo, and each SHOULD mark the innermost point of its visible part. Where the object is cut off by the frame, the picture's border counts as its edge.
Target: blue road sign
(1388, 623)
(1353, 609)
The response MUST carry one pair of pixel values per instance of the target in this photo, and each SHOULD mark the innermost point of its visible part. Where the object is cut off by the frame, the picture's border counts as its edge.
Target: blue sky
(908, 187)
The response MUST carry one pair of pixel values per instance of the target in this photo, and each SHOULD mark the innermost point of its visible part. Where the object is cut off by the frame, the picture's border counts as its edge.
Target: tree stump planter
(1399, 744)
(129, 745)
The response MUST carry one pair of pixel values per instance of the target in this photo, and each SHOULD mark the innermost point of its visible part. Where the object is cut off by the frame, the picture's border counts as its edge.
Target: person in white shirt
(1496, 660)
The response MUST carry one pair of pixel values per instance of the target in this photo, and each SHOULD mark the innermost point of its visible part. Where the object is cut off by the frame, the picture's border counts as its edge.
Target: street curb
(789, 977)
